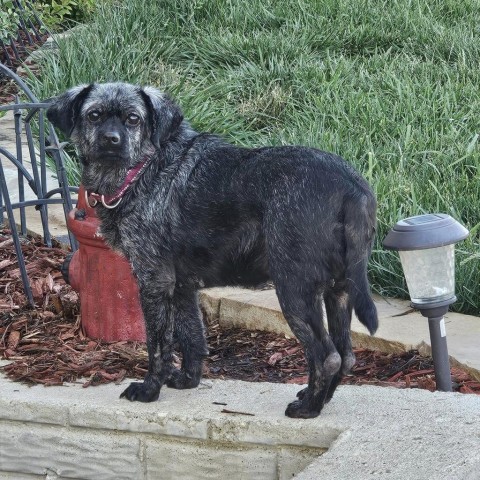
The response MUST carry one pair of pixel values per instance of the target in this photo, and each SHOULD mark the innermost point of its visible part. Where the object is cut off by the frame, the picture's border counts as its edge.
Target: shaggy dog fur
(201, 212)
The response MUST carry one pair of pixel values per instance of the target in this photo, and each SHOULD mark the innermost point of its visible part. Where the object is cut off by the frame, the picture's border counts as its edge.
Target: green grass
(392, 86)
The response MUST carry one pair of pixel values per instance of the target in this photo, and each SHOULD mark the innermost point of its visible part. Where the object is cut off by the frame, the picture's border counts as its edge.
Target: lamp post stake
(438, 340)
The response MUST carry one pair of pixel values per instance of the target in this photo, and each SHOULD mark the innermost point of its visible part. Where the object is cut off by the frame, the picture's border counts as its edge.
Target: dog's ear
(166, 115)
(64, 109)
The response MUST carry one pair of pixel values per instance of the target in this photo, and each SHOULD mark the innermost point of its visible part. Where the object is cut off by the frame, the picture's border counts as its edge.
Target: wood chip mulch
(46, 344)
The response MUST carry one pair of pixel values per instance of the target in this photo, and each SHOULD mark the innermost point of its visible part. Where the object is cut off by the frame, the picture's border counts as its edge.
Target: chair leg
(16, 238)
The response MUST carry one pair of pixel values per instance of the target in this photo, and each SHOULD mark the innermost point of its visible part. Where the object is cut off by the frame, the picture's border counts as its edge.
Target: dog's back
(281, 212)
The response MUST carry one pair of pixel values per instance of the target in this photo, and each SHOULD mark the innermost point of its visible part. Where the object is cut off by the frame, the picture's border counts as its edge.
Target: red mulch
(46, 344)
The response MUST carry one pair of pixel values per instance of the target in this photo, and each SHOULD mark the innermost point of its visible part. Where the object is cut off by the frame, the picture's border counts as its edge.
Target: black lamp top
(425, 231)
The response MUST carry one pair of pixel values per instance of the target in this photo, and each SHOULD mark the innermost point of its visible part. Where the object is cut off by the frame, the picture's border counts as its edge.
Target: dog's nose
(112, 137)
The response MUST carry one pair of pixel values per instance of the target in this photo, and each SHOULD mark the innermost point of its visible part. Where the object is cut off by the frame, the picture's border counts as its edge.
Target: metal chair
(32, 171)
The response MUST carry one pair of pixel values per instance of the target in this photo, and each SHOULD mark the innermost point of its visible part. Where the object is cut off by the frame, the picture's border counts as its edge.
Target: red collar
(111, 201)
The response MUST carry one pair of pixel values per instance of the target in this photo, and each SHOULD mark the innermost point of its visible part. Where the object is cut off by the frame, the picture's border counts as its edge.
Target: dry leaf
(275, 358)
(6, 263)
(13, 340)
(298, 380)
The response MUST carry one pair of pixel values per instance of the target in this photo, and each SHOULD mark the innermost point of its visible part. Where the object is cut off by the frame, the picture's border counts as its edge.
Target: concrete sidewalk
(56, 216)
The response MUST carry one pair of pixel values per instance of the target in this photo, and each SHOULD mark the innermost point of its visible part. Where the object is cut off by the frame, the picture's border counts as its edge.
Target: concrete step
(89, 433)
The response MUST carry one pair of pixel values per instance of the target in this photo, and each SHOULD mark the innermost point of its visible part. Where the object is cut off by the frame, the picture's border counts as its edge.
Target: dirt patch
(47, 345)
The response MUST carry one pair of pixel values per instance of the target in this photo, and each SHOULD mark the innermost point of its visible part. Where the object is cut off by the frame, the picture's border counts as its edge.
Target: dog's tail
(360, 220)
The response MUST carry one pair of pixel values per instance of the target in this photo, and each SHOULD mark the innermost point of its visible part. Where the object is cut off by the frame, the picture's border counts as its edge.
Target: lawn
(392, 86)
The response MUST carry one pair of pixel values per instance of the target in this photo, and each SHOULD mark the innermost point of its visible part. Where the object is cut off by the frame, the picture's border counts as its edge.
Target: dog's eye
(93, 116)
(133, 119)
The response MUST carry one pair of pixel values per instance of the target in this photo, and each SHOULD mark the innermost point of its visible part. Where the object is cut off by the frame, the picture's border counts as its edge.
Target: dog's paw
(141, 392)
(301, 409)
(301, 394)
(182, 380)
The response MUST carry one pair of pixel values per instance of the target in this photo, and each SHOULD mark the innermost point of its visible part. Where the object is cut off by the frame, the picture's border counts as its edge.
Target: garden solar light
(425, 244)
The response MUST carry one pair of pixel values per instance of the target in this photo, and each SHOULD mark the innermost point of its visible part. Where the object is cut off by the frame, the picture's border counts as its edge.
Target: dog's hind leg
(189, 332)
(339, 316)
(303, 313)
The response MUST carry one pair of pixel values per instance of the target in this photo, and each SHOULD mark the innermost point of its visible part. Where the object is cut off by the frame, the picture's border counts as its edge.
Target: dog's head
(115, 124)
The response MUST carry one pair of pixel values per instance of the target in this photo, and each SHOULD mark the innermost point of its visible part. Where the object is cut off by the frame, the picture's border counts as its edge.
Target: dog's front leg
(189, 334)
(159, 322)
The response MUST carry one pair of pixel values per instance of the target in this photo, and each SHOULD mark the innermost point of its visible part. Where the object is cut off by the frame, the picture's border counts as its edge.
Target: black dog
(189, 210)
